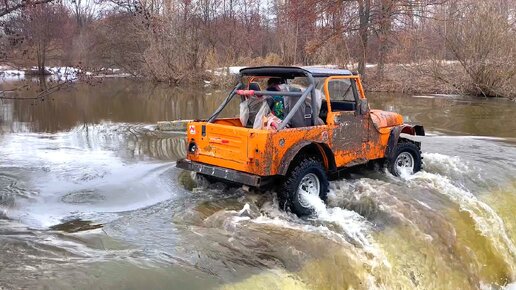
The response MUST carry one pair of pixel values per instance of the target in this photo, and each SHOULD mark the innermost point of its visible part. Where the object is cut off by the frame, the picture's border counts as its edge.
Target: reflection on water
(90, 198)
(456, 115)
(120, 101)
(129, 101)
(130, 141)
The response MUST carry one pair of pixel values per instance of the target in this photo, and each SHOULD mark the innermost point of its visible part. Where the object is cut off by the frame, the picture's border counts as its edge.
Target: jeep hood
(383, 119)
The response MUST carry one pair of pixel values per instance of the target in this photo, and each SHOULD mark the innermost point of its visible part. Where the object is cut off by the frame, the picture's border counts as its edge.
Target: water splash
(353, 226)
(487, 221)
(66, 177)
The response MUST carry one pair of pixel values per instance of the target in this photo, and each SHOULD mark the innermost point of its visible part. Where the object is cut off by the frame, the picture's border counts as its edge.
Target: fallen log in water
(176, 126)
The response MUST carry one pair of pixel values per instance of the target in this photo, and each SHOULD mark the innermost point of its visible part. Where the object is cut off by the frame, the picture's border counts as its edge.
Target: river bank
(57, 73)
(444, 78)
(407, 79)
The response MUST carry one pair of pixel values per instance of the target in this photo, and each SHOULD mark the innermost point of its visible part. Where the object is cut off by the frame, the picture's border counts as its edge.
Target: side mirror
(363, 106)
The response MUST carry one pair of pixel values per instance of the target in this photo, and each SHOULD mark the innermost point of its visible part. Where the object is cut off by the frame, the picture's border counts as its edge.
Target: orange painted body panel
(352, 138)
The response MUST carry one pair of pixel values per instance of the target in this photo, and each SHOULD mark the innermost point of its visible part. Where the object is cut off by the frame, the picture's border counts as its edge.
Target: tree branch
(6, 10)
(42, 94)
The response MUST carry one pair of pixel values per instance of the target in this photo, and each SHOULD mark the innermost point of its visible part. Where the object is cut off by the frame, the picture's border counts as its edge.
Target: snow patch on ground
(58, 73)
(9, 72)
(55, 72)
(330, 66)
(224, 71)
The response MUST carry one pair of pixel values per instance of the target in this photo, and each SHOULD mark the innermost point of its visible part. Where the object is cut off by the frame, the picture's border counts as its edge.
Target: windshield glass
(339, 89)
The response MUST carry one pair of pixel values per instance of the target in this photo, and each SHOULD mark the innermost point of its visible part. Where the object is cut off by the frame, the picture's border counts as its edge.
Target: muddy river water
(90, 199)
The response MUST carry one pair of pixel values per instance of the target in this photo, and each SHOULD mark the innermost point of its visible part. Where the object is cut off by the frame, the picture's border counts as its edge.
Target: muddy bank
(447, 78)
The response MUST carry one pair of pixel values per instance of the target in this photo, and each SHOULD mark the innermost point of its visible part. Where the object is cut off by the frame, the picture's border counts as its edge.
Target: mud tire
(289, 198)
(408, 147)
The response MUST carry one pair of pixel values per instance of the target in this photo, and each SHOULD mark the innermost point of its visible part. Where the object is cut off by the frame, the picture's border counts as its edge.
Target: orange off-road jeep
(323, 126)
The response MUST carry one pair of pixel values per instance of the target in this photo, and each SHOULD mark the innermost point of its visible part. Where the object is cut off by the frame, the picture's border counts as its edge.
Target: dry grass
(433, 77)
(410, 79)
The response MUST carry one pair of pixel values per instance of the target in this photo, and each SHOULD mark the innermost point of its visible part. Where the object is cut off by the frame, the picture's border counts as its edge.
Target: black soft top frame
(286, 72)
(291, 72)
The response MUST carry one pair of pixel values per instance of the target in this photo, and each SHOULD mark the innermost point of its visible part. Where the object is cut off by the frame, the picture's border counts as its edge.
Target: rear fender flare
(394, 136)
(323, 151)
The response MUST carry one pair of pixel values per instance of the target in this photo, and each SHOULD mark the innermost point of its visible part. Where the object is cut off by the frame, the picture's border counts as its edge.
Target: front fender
(394, 136)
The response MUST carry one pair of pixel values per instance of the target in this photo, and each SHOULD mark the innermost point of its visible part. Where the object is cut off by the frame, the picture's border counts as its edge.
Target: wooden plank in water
(176, 126)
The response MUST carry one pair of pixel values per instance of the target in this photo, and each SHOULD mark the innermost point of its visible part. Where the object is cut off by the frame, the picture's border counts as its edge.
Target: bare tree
(482, 37)
(9, 6)
(84, 11)
(43, 26)
(179, 40)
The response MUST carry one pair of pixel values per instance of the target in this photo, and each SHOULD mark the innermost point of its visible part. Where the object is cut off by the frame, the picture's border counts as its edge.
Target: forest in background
(444, 46)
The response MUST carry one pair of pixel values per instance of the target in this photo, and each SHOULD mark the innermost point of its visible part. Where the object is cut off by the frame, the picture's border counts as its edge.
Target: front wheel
(305, 181)
(406, 159)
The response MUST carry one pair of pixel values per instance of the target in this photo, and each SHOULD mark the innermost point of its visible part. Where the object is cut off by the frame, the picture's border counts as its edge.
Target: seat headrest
(254, 86)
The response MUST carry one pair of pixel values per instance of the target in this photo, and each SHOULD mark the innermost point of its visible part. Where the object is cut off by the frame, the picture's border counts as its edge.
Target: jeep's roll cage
(286, 73)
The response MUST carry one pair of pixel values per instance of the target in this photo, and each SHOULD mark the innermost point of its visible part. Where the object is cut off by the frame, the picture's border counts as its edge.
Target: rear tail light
(192, 147)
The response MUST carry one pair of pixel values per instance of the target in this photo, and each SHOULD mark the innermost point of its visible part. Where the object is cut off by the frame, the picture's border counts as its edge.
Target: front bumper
(220, 172)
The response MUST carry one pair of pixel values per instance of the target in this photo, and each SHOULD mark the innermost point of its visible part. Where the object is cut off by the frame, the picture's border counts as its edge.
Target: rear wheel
(305, 181)
(406, 158)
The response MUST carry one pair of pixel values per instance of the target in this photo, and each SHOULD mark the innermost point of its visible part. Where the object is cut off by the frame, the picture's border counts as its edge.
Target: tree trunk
(386, 10)
(364, 11)
(295, 43)
(41, 53)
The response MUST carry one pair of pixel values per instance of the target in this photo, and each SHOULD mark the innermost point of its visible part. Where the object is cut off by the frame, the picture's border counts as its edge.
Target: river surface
(90, 199)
